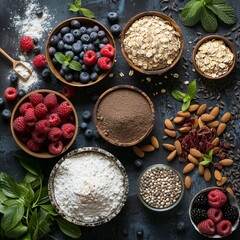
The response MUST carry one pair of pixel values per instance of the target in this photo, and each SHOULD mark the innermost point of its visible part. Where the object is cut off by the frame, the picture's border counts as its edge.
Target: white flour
(88, 186)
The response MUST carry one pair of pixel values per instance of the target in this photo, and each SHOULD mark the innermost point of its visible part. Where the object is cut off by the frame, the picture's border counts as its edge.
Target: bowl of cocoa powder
(124, 115)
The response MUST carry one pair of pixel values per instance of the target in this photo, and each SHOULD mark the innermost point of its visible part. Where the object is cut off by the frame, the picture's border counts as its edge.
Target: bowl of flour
(88, 186)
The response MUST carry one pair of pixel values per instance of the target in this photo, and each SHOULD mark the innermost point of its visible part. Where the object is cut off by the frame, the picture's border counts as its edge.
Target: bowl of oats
(214, 57)
(152, 43)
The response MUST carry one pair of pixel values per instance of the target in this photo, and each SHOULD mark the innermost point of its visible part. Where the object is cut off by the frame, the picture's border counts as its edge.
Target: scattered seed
(168, 124)
(192, 159)
(188, 168)
(178, 120)
(138, 151)
(215, 111)
(217, 175)
(221, 182)
(221, 128)
(195, 153)
(187, 182)
(184, 129)
(154, 142)
(185, 114)
(178, 147)
(147, 148)
(201, 109)
(226, 162)
(226, 117)
(172, 155)
(170, 133)
(207, 117)
(216, 141)
(193, 108)
(207, 175)
(169, 147)
(200, 169)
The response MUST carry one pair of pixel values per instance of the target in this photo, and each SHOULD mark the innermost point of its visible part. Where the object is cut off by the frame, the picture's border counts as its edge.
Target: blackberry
(198, 215)
(201, 201)
(230, 213)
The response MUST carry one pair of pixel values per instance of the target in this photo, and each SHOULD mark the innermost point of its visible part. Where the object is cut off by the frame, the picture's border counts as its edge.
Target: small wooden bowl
(87, 22)
(23, 146)
(101, 129)
(165, 17)
(227, 43)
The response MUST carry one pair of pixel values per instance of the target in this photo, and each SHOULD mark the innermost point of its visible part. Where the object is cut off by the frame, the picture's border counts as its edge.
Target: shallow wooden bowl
(165, 17)
(87, 22)
(23, 146)
(227, 43)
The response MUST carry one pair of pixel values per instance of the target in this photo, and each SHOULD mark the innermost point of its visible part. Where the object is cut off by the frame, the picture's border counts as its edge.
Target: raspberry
(38, 137)
(206, 227)
(224, 227)
(10, 93)
(51, 101)
(24, 107)
(30, 117)
(107, 51)
(104, 63)
(19, 124)
(42, 126)
(54, 134)
(217, 198)
(36, 98)
(40, 60)
(54, 120)
(68, 130)
(41, 110)
(34, 146)
(56, 147)
(215, 214)
(90, 57)
(68, 91)
(26, 43)
(64, 109)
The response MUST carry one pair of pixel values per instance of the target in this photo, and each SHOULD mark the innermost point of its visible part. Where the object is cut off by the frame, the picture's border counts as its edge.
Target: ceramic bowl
(44, 153)
(171, 22)
(231, 200)
(121, 120)
(161, 167)
(89, 202)
(207, 39)
(86, 22)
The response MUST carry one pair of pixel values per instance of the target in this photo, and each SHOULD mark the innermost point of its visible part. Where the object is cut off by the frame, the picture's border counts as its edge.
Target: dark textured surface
(134, 216)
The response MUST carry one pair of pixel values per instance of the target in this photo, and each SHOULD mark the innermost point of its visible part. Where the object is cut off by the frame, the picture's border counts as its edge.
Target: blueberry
(112, 17)
(52, 51)
(68, 38)
(68, 77)
(86, 115)
(65, 30)
(76, 33)
(81, 61)
(55, 62)
(67, 46)
(83, 126)
(101, 34)
(98, 54)
(181, 226)
(85, 47)
(85, 68)
(104, 40)
(37, 50)
(59, 36)
(90, 46)
(60, 45)
(95, 28)
(116, 29)
(79, 41)
(35, 40)
(96, 42)
(77, 48)
(84, 77)
(76, 58)
(89, 30)
(75, 76)
(94, 76)
(101, 45)
(88, 133)
(75, 24)
(85, 38)
(81, 54)
(65, 68)
(2, 103)
(39, 12)
(96, 68)
(138, 163)
(61, 72)
(83, 30)
(6, 114)
(93, 36)
(54, 40)
(69, 53)
(21, 92)
(46, 73)
(14, 78)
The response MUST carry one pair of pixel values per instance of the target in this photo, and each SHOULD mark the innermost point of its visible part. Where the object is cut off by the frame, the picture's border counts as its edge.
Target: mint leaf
(209, 20)
(178, 95)
(207, 158)
(78, 3)
(186, 105)
(74, 65)
(59, 57)
(87, 13)
(72, 7)
(192, 89)
(68, 58)
(17, 231)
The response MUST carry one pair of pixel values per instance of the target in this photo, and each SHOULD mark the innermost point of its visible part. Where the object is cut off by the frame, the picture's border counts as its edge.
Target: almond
(147, 148)
(226, 117)
(138, 151)
(215, 141)
(178, 147)
(154, 142)
(222, 181)
(192, 159)
(215, 111)
(216, 150)
(229, 190)
(200, 169)
(172, 155)
(207, 175)
(187, 182)
(195, 124)
(170, 133)
(184, 129)
(188, 168)
(200, 123)
(217, 175)
(201, 109)
(178, 120)
(185, 114)
(195, 153)
(207, 117)
(193, 108)
(169, 147)
(213, 124)
(221, 128)
(226, 162)
(168, 124)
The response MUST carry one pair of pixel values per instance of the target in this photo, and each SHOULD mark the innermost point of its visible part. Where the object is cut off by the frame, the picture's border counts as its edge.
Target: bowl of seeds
(152, 43)
(160, 187)
(214, 57)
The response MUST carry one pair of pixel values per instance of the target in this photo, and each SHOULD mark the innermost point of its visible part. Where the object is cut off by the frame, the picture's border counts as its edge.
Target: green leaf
(17, 231)
(41, 196)
(207, 158)
(87, 13)
(178, 95)
(43, 228)
(186, 105)
(68, 228)
(11, 202)
(192, 89)
(59, 57)
(78, 3)
(2, 209)
(68, 58)
(209, 20)
(33, 223)
(49, 209)
(74, 65)
(205, 162)
(34, 180)
(72, 7)
(29, 197)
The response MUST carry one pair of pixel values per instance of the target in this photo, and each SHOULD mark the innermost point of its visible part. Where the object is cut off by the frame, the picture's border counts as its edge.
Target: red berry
(217, 198)
(40, 60)
(24, 107)
(42, 126)
(206, 227)
(10, 93)
(215, 214)
(51, 101)
(30, 117)
(26, 43)
(104, 63)
(36, 98)
(38, 137)
(108, 51)
(54, 134)
(64, 109)
(68, 130)
(68, 91)
(224, 227)
(54, 120)
(56, 147)
(41, 110)
(19, 124)
(34, 146)
(90, 57)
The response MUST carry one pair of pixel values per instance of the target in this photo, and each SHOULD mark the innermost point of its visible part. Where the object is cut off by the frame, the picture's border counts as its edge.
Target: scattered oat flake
(131, 72)
(186, 82)
(111, 75)
(121, 74)
(176, 75)
(163, 90)
(148, 79)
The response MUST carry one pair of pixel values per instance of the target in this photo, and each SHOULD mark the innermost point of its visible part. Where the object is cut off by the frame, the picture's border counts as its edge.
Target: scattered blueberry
(35, 40)
(116, 29)
(14, 78)
(6, 114)
(181, 226)
(21, 92)
(112, 17)
(94, 76)
(2, 102)
(68, 38)
(138, 163)
(37, 50)
(65, 30)
(75, 24)
(83, 126)
(52, 51)
(46, 73)
(88, 133)
(39, 12)
(86, 116)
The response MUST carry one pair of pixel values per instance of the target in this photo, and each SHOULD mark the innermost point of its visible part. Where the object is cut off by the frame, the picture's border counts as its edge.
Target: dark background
(134, 216)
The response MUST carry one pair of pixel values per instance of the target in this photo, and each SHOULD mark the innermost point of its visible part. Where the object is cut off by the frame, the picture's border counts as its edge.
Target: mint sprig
(77, 7)
(207, 12)
(186, 97)
(207, 158)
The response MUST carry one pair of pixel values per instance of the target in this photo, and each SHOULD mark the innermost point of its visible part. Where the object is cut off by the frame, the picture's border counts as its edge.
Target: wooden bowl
(227, 43)
(118, 115)
(165, 17)
(44, 153)
(87, 22)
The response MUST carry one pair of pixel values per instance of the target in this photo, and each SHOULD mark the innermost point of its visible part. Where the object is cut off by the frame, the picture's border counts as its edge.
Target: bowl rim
(227, 43)
(164, 166)
(78, 151)
(67, 22)
(22, 145)
(230, 197)
(116, 88)
(165, 17)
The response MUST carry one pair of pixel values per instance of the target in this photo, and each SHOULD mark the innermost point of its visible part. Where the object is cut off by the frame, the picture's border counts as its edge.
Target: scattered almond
(187, 182)
(188, 168)
(192, 159)
(169, 147)
(229, 190)
(226, 162)
(200, 123)
(216, 150)
(170, 133)
(185, 114)
(213, 124)
(221, 182)
(138, 151)
(195, 124)
(193, 108)
(172, 155)
(147, 148)
(207, 117)
(154, 142)
(195, 153)
(178, 120)
(226, 117)
(201, 109)
(200, 169)
(221, 128)
(178, 147)
(217, 175)
(207, 175)
(215, 111)
(168, 124)
(184, 129)
(215, 141)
